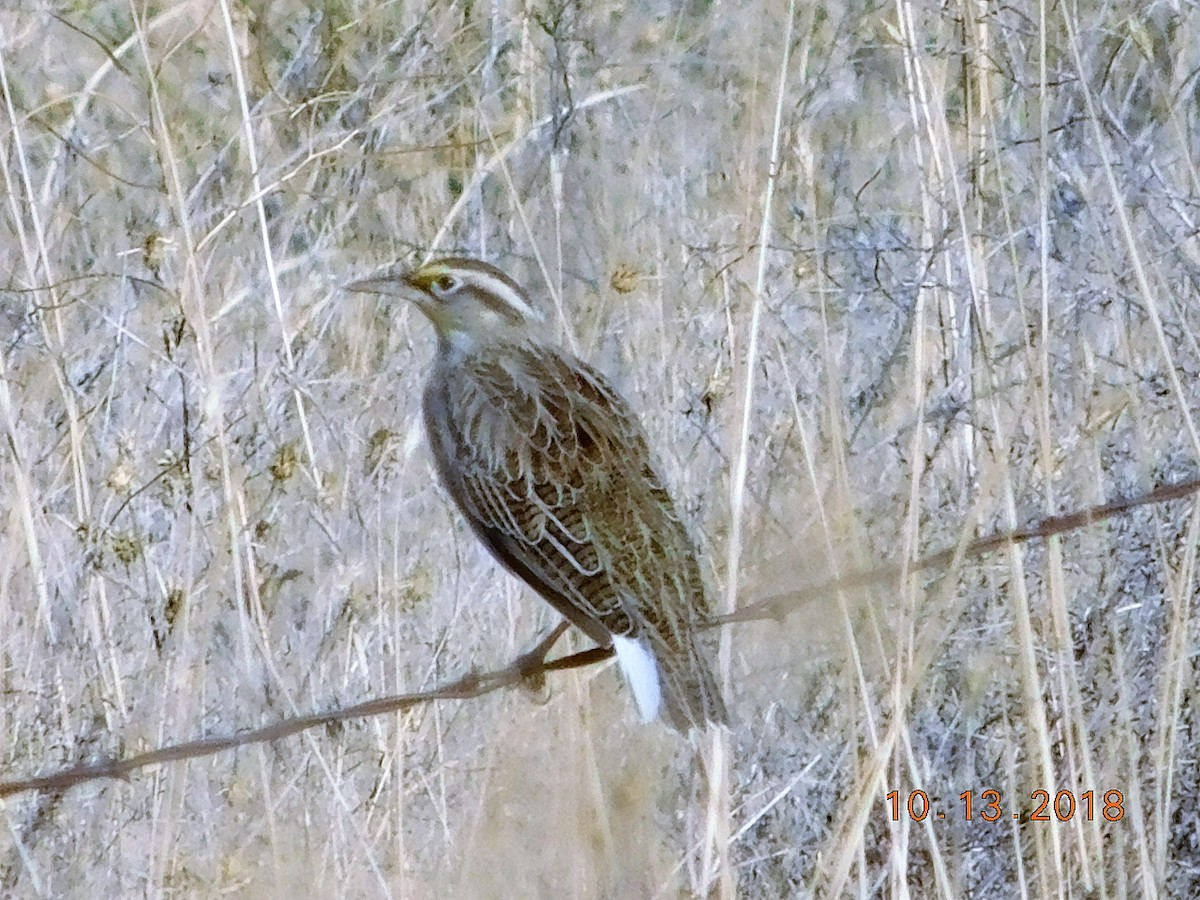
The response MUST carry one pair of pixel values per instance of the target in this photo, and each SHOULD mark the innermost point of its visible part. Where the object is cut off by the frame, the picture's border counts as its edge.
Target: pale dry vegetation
(965, 298)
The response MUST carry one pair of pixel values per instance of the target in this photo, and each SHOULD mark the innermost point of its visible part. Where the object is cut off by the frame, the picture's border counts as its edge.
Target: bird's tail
(676, 681)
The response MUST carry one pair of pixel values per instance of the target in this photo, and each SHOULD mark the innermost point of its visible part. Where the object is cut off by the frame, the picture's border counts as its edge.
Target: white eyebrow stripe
(504, 292)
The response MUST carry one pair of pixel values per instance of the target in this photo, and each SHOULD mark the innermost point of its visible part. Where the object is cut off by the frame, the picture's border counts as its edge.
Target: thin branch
(532, 667)
(779, 605)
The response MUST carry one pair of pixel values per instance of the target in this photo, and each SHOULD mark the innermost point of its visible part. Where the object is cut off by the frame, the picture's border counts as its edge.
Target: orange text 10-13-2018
(989, 805)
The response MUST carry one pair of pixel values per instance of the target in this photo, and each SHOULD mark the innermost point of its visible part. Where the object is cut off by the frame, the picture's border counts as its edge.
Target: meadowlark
(551, 469)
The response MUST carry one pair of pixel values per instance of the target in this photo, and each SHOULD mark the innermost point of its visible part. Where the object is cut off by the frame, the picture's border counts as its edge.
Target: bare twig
(779, 605)
(529, 667)
(532, 667)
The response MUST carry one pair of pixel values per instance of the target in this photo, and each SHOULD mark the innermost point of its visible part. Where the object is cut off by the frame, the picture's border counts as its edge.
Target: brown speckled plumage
(552, 471)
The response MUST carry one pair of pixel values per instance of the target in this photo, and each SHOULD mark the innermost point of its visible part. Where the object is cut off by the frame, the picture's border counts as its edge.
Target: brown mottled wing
(552, 471)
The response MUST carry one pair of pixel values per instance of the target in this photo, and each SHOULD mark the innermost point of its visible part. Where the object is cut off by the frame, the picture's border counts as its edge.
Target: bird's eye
(444, 284)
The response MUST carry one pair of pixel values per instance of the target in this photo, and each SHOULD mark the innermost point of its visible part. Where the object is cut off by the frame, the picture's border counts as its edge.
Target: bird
(552, 471)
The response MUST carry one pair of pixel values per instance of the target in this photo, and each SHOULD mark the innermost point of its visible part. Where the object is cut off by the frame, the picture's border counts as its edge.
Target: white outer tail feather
(641, 671)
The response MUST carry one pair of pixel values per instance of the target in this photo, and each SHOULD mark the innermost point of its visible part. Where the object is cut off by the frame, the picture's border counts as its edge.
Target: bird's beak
(395, 284)
(411, 286)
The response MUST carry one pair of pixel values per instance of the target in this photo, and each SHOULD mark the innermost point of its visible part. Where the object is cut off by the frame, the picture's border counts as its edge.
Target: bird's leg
(542, 650)
(532, 664)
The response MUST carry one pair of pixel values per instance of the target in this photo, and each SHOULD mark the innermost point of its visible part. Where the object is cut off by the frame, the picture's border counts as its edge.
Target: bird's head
(467, 300)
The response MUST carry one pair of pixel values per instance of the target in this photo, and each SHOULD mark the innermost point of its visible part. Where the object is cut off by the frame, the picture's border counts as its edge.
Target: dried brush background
(962, 297)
